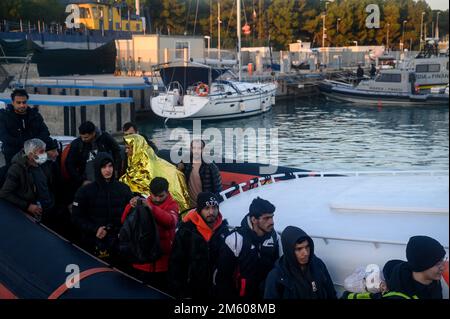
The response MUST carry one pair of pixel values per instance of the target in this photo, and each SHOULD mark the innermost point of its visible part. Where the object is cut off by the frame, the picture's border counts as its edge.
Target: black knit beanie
(205, 199)
(260, 206)
(423, 252)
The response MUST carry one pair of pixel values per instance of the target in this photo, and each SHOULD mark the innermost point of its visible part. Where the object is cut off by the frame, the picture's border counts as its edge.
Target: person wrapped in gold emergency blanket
(144, 165)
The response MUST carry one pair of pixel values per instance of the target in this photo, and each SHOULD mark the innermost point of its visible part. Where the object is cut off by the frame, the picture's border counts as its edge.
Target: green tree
(10, 9)
(173, 17)
(283, 21)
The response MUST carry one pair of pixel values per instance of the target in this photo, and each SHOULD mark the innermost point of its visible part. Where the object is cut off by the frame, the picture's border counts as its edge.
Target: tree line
(274, 22)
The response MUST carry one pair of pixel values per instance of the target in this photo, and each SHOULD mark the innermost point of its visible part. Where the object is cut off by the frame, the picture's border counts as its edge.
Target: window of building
(85, 13)
(434, 68)
(423, 68)
(179, 50)
(95, 12)
(390, 78)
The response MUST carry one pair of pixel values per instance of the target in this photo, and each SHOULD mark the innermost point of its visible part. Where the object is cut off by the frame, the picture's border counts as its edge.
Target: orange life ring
(202, 89)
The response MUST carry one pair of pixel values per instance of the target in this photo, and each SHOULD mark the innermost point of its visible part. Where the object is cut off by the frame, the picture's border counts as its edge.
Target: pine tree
(283, 21)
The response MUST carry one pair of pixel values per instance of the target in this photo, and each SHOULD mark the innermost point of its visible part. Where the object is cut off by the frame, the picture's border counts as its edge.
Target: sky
(438, 4)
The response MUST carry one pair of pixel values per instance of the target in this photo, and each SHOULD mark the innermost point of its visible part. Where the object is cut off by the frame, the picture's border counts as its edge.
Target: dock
(64, 113)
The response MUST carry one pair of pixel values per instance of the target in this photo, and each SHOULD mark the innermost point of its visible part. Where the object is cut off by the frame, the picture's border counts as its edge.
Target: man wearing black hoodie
(299, 273)
(84, 149)
(98, 206)
(249, 254)
(419, 277)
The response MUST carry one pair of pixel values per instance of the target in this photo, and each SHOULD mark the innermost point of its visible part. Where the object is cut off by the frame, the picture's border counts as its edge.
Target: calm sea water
(317, 134)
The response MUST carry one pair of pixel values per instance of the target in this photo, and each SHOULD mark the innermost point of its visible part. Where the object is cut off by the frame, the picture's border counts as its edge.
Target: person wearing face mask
(26, 184)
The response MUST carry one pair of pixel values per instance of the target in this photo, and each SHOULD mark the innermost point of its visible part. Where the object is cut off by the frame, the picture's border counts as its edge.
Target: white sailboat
(193, 91)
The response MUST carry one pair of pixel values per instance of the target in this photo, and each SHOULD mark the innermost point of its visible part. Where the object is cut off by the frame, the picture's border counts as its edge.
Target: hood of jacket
(20, 159)
(203, 228)
(100, 160)
(401, 280)
(289, 238)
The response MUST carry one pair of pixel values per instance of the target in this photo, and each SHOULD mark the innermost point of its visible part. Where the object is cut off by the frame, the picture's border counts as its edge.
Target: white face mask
(41, 158)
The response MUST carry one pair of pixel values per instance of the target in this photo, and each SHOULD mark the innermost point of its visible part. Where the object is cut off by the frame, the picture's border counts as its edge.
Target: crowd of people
(89, 191)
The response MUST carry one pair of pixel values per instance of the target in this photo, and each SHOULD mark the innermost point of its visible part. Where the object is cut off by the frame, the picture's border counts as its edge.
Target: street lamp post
(421, 32)
(337, 25)
(437, 25)
(207, 37)
(323, 30)
(387, 37)
(403, 35)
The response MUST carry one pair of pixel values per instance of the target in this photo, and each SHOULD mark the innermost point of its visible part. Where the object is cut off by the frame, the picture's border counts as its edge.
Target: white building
(153, 49)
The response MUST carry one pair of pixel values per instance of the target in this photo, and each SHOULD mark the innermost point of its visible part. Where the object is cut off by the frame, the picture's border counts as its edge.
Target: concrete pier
(95, 85)
(63, 114)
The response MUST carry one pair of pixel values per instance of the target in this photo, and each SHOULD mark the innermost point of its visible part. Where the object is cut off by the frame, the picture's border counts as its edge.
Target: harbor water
(320, 134)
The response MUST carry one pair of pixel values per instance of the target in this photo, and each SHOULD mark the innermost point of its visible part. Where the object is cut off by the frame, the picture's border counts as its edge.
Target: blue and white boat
(389, 87)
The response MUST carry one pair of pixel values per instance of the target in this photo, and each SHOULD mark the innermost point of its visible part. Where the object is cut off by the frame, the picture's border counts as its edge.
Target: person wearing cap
(418, 277)
(299, 273)
(196, 248)
(52, 167)
(97, 208)
(249, 254)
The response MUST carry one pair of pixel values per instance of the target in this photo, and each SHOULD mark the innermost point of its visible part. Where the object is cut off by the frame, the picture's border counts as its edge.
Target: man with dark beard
(249, 254)
(196, 249)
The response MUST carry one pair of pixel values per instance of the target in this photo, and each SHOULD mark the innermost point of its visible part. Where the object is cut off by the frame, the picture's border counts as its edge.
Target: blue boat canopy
(189, 75)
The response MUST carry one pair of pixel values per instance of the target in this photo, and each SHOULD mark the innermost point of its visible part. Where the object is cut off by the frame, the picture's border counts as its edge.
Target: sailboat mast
(218, 31)
(239, 37)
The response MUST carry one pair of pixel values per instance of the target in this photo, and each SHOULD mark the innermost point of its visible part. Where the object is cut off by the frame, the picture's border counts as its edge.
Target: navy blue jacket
(15, 129)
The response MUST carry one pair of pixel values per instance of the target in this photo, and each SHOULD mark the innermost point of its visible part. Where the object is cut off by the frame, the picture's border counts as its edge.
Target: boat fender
(417, 89)
(202, 89)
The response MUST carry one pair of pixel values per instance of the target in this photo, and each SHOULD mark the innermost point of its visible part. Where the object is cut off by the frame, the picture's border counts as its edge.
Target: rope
(195, 21)
(187, 17)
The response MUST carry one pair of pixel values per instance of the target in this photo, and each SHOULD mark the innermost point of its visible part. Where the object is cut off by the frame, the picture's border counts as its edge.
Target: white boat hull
(358, 220)
(214, 107)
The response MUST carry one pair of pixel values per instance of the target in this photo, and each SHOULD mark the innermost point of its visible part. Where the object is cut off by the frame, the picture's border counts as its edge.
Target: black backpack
(139, 237)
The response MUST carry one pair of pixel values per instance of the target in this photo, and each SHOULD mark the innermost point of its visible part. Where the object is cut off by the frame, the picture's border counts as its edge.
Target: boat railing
(270, 179)
(66, 82)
